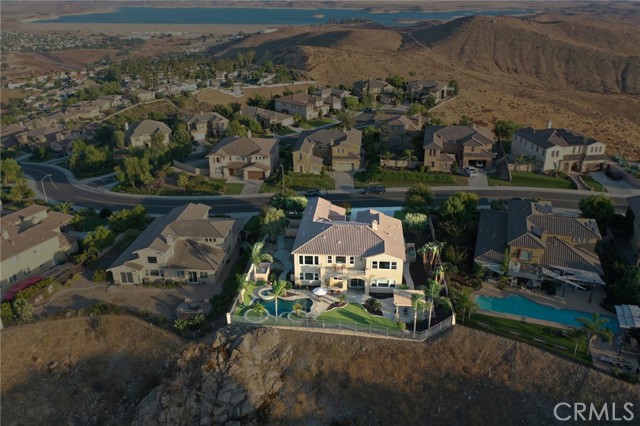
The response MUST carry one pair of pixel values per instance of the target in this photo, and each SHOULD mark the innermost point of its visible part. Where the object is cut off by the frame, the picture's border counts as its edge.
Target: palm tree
(257, 255)
(430, 254)
(373, 304)
(594, 327)
(297, 309)
(279, 289)
(197, 321)
(258, 309)
(65, 207)
(432, 295)
(180, 325)
(408, 155)
(385, 156)
(464, 303)
(576, 335)
(418, 304)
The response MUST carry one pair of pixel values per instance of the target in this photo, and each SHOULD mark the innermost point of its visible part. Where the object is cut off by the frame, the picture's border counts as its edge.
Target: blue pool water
(269, 16)
(285, 306)
(518, 305)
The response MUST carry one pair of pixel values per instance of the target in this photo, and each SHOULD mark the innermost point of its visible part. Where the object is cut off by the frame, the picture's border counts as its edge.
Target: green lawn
(320, 122)
(593, 184)
(353, 313)
(300, 182)
(548, 338)
(230, 188)
(530, 179)
(405, 178)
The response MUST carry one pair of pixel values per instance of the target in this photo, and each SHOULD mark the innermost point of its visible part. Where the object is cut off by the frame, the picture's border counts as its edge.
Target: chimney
(374, 225)
(126, 126)
(249, 133)
(169, 239)
(549, 124)
(420, 121)
(5, 234)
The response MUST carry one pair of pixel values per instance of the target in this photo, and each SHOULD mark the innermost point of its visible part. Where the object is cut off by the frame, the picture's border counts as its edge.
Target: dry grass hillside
(81, 372)
(568, 68)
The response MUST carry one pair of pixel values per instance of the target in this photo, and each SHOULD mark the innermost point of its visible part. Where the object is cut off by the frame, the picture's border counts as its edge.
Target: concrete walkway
(479, 181)
(284, 256)
(343, 180)
(406, 273)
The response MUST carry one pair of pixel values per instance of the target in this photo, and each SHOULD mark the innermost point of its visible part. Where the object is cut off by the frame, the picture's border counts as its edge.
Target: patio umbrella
(320, 291)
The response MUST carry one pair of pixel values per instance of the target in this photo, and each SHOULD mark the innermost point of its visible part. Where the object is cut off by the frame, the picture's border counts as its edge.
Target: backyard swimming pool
(285, 306)
(518, 305)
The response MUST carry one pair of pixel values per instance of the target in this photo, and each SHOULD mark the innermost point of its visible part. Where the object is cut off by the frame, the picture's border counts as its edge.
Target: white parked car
(471, 171)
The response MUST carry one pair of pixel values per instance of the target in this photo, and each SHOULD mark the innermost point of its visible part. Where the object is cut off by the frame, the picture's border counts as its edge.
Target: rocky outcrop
(227, 380)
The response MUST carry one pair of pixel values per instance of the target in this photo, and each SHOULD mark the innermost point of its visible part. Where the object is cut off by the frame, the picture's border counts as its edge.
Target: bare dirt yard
(79, 371)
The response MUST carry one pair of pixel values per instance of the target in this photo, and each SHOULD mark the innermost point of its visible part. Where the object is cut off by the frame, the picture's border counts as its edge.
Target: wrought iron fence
(347, 326)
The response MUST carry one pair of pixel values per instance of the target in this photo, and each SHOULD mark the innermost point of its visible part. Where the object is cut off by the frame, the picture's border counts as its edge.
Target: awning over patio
(628, 316)
(402, 298)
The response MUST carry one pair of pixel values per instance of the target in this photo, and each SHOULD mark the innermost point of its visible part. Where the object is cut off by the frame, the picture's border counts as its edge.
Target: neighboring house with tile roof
(367, 252)
(464, 145)
(139, 134)
(398, 128)
(633, 216)
(244, 157)
(309, 107)
(537, 244)
(420, 90)
(377, 88)
(266, 117)
(183, 245)
(330, 148)
(206, 124)
(559, 149)
(33, 242)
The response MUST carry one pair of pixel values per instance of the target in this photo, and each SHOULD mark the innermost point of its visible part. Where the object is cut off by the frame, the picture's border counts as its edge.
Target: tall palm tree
(258, 309)
(418, 304)
(576, 335)
(65, 207)
(594, 327)
(430, 254)
(432, 295)
(386, 156)
(408, 155)
(279, 289)
(464, 303)
(257, 255)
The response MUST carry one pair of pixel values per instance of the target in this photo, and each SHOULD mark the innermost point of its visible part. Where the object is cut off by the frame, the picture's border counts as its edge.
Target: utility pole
(44, 192)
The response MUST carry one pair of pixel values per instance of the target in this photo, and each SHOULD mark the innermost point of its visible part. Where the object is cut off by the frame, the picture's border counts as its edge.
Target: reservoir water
(260, 16)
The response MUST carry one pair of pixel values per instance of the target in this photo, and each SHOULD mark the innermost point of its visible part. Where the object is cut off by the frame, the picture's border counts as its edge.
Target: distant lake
(263, 16)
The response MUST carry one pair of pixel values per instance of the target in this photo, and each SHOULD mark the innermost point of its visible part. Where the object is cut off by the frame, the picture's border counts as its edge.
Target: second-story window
(308, 260)
(341, 260)
(152, 259)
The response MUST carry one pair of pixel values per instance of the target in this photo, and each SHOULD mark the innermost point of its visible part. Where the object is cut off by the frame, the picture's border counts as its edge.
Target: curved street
(62, 186)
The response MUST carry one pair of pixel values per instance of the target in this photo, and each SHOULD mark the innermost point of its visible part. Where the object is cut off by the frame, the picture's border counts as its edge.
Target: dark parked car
(613, 174)
(376, 189)
(312, 193)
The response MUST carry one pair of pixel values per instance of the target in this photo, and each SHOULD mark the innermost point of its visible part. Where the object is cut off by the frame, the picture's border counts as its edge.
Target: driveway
(479, 181)
(620, 187)
(251, 186)
(344, 181)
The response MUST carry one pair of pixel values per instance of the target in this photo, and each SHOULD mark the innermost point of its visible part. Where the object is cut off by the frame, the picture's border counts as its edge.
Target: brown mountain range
(575, 68)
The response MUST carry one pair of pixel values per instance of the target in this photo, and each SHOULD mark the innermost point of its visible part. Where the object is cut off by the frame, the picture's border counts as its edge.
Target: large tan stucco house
(266, 117)
(332, 149)
(32, 242)
(139, 134)
(183, 245)
(378, 89)
(243, 157)
(367, 252)
(559, 149)
(309, 107)
(420, 90)
(464, 145)
(206, 124)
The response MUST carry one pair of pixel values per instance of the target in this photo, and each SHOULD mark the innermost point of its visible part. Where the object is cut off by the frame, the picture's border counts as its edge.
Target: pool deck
(577, 300)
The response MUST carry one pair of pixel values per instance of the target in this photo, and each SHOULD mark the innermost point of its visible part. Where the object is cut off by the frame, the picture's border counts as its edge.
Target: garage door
(255, 175)
(344, 167)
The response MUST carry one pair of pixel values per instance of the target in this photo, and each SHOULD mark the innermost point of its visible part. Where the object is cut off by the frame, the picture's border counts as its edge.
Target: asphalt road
(58, 187)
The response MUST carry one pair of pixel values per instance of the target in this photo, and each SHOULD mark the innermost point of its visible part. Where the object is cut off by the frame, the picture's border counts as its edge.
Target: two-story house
(376, 88)
(329, 148)
(140, 134)
(183, 245)
(529, 241)
(206, 124)
(398, 128)
(244, 157)
(309, 107)
(464, 145)
(32, 242)
(266, 117)
(559, 149)
(366, 252)
(420, 90)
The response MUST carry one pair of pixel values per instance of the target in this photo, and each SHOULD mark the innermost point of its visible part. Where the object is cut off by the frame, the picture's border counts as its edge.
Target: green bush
(99, 275)
(162, 283)
(35, 289)
(102, 308)
(6, 313)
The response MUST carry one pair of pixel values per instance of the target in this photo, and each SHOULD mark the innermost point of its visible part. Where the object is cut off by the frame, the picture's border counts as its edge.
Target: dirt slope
(75, 372)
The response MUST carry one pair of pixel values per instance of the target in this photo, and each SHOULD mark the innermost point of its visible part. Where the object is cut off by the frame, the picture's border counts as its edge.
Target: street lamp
(44, 192)
(282, 166)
